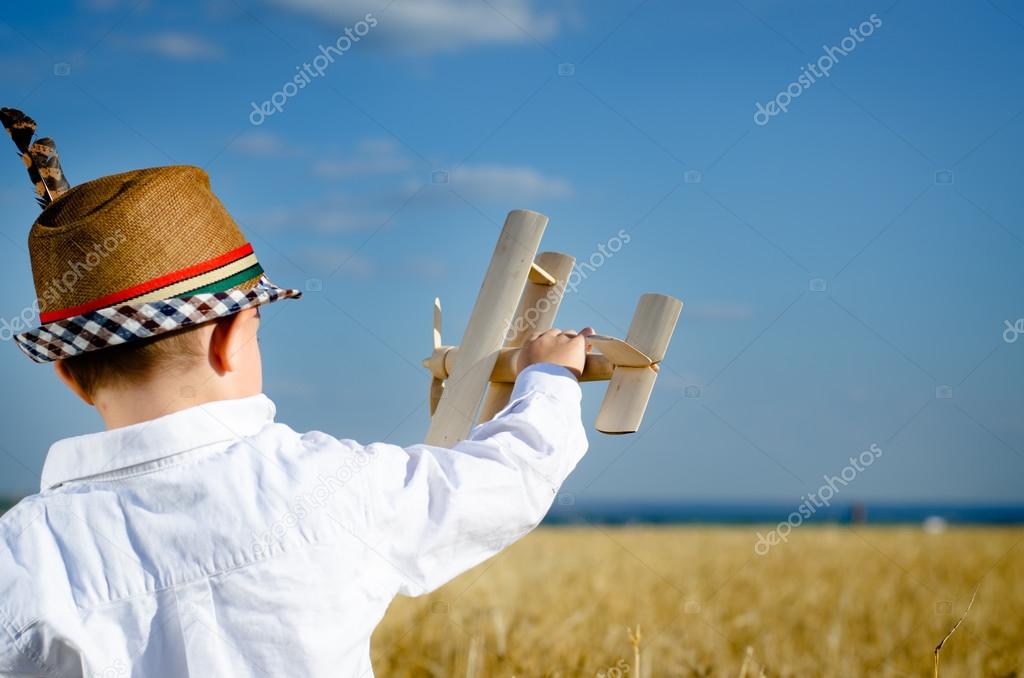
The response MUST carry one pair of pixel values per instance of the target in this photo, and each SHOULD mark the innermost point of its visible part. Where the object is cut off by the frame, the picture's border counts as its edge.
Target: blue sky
(839, 263)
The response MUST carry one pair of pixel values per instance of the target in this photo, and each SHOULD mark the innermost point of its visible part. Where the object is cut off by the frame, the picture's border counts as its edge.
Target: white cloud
(260, 143)
(371, 156)
(328, 218)
(385, 160)
(328, 260)
(427, 267)
(394, 182)
(473, 182)
(178, 46)
(439, 25)
(506, 183)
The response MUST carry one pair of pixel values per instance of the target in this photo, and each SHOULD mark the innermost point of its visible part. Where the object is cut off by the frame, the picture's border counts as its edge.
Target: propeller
(436, 384)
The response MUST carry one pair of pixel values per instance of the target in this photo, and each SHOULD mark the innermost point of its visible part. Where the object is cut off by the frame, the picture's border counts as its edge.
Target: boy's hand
(568, 349)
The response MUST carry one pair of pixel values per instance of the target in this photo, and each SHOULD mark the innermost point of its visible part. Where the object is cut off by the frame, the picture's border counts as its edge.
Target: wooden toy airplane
(520, 295)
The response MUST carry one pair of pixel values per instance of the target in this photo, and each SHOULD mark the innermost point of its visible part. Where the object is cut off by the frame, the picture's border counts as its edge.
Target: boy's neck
(132, 404)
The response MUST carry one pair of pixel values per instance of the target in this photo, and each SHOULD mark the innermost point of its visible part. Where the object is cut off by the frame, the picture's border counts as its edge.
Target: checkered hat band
(141, 320)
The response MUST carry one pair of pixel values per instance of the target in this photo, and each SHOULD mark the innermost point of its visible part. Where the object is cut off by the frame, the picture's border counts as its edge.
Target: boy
(196, 536)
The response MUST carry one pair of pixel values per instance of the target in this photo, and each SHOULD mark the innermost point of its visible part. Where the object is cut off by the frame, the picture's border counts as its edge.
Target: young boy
(196, 536)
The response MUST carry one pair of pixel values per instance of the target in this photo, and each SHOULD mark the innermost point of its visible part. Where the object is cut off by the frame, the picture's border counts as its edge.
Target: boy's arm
(437, 512)
(14, 662)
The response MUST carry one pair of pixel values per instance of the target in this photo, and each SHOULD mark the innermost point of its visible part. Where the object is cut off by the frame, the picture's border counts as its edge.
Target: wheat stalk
(938, 648)
(634, 640)
(746, 662)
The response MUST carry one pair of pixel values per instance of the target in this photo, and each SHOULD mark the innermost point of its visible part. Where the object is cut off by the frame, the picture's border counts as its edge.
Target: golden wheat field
(833, 601)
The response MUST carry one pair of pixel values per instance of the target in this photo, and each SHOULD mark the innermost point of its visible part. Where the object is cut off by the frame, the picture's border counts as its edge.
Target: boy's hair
(135, 361)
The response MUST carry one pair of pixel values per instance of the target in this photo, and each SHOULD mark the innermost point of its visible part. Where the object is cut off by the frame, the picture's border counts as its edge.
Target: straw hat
(129, 256)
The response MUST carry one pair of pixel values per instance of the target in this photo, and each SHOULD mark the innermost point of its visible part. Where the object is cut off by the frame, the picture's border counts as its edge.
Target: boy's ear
(62, 371)
(230, 337)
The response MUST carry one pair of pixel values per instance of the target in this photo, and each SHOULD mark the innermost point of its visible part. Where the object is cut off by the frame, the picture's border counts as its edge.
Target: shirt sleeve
(437, 511)
(14, 662)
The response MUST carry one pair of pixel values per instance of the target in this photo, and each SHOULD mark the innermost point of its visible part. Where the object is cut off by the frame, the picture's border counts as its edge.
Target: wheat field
(697, 601)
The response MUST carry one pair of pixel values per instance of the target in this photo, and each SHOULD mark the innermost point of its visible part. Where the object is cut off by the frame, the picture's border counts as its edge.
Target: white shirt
(216, 542)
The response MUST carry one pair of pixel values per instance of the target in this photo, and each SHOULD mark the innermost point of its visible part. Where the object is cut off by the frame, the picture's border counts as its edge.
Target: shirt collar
(96, 453)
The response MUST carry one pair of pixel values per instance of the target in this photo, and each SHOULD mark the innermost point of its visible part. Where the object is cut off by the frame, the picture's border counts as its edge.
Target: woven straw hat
(133, 256)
